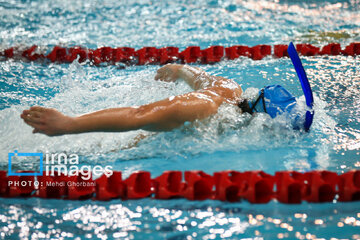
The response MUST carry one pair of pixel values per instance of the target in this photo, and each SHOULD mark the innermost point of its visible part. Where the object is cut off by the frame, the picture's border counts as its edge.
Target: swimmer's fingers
(25, 112)
(36, 130)
(161, 74)
(35, 110)
(37, 126)
(167, 73)
(165, 76)
(157, 76)
(35, 114)
(33, 117)
(38, 109)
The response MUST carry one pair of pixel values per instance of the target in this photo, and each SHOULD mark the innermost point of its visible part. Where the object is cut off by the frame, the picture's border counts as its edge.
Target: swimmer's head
(274, 100)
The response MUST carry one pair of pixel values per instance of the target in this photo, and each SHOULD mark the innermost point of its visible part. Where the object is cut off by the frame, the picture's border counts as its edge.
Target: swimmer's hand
(168, 73)
(195, 77)
(47, 121)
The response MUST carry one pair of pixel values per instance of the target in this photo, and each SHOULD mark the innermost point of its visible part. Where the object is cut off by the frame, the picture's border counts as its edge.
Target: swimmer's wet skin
(209, 93)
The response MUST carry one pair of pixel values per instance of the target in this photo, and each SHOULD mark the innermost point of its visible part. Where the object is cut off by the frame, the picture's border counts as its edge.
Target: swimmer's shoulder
(227, 89)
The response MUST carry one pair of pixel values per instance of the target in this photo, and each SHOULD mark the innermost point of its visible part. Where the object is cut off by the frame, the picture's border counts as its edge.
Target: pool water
(224, 141)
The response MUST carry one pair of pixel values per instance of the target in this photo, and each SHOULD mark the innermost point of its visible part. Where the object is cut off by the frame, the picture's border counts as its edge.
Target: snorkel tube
(304, 84)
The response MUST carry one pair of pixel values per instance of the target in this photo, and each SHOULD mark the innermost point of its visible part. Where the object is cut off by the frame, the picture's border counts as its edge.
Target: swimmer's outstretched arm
(195, 77)
(158, 116)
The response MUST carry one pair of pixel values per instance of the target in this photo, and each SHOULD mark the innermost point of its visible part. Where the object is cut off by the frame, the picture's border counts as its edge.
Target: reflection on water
(175, 219)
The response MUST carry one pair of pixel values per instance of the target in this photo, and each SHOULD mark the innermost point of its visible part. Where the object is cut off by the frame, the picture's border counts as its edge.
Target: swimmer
(209, 93)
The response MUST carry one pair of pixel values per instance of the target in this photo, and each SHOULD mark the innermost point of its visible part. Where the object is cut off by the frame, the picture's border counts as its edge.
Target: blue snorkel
(304, 84)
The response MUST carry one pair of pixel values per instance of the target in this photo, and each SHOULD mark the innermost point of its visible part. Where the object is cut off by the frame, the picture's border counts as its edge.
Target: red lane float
(349, 186)
(320, 186)
(11, 191)
(109, 187)
(168, 185)
(233, 186)
(191, 54)
(290, 186)
(198, 186)
(228, 186)
(254, 186)
(331, 49)
(307, 49)
(78, 188)
(138, 185)
(51, 187)
(280, 51)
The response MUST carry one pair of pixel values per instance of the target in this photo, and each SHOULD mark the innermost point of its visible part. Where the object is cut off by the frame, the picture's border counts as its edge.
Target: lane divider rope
(233, 186)
(152, 55)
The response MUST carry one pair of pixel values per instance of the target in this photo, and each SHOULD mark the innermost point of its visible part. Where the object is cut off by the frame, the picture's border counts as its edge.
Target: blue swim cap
(275, 100)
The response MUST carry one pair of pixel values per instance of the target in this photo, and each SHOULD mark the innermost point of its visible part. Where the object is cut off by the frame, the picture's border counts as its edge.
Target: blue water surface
(224, 141)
